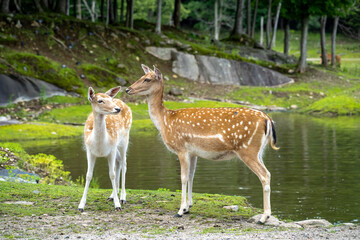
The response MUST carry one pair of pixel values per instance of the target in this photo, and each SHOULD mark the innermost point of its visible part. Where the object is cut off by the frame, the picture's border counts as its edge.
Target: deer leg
(91, 159)
(184, 159)
(123, 168)
(111, 162)
(193, 161)
(117, 176)
(257, 166)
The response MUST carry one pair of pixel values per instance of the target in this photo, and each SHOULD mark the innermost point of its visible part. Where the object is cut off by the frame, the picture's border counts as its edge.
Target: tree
(248, 28)
(176, 14)
(78, 9)
(303, 43)
(5, 6)
(115, 11)
(275, 26)
(158, 18)
(61, 7)
(333, 41)
(122, 11)
(324, 59)
(217, 18)
(129, 14)
(286, 36)
(238, 28)
(38, 6)
(268, 23)
(254, 19)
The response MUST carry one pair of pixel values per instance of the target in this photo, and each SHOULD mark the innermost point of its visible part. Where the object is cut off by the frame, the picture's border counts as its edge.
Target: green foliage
(64, 99)
(99, 76)
(38, 130)
(73, 114)
(338, 105)
(42, 68)
(7, 39)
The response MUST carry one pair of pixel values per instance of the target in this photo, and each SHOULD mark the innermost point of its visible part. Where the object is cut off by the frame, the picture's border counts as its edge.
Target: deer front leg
(193, 161)
(91, 159)
(123, 167)
(184, 164)
(111, 162)
(117, 176)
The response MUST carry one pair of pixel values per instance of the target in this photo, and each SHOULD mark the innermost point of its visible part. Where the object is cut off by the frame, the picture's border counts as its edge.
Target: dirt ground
(157, 225)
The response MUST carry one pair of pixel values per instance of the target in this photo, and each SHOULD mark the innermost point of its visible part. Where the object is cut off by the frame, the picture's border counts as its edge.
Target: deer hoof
(186, 211)
(81, 210)
(109, 199)
(122, 201)
(117, 209)
(260, 222)
(178, 215)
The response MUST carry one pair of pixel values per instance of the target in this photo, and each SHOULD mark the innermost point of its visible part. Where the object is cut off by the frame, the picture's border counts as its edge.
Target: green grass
(50, 197)
(38, 130)
(338, 105)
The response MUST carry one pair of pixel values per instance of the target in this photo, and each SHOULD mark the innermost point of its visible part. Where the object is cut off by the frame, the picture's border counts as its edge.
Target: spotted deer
(211, 133)
(106, 134)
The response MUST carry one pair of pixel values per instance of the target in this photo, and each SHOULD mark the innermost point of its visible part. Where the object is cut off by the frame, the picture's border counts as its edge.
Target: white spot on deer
(241, 122)
(244, 145)
(224, 131)
(246, 128)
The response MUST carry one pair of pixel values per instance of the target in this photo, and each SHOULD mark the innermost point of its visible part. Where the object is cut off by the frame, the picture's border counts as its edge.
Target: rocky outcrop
(20, 88)
(214, 70)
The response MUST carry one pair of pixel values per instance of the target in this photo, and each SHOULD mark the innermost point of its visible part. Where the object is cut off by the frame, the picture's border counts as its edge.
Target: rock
(147, 42)
(233, 208)
(175, 91)
(120, 81)
(185, 65)
(129, 45)
(273, 221)
(35, 24)
(314, 223)
(20, 202)
(162, 53)
(114, 35)
(120, 65)
(349, 224)
(166, 78)
(294, 106)
(18, 24)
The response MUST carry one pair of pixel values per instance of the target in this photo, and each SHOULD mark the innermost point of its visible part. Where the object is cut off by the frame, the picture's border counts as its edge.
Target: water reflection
(314, 174)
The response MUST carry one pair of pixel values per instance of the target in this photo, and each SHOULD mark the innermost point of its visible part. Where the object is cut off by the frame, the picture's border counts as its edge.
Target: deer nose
(117, 109)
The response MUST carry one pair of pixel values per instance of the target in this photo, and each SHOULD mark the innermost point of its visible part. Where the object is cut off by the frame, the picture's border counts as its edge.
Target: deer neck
(99, 126)
(157, 109)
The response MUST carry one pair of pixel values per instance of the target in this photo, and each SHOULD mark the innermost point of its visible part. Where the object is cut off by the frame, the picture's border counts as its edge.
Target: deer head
(102, 103)
(151, 82)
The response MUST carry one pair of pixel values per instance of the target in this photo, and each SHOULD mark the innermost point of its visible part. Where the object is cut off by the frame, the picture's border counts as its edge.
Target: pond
(315, 174)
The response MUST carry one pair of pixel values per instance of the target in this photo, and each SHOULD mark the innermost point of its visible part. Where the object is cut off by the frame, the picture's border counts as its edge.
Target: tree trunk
(324, 60)
(268, 24)
(333, 40)
(254, 19)
(61, 7)
(115, 10)
(91, 10)
(248, 27)
(122, 11)
(303, 44)
(238, 29)
(158, 18)
(68, 7)
(286, 37)
(262, 30)
(217, 18)
(38, 6)
(46, 3)
(18, 5)
(5, 6)
(107, 12)
(176, 14)
(78, 9)
(102, 10)
(129, 14)
(272, 42)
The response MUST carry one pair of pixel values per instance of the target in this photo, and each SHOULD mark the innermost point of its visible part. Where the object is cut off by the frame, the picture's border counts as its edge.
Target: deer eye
(100, 101)
(147, 80)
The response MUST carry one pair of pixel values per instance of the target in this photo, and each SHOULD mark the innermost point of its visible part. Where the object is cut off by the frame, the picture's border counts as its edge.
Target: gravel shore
(157, 225)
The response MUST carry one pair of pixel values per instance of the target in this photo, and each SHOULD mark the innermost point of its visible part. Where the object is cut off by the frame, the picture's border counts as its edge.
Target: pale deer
(210, 133)
(106, 134)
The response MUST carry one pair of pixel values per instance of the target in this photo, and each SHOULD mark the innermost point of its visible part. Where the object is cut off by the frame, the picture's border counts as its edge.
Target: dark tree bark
(129, 14)
(286, 37)
(61, 6)
(46, 3)
(238, 28)
(248, 27)
(122, 11)
(272, 42)
(38, 6)
(176, 14)
(115, 10)
(303, 44)
(5, 6)
(254, 19)
(333, 41)
(18, 5)
(78, 9)
(102, 10)
(268, 24)
(158, 18)
(324, 60)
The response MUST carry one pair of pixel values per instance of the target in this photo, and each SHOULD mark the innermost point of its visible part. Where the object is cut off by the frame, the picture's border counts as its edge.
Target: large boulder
(162, 53)
(224, 71)
(185, 65)
(22, 88)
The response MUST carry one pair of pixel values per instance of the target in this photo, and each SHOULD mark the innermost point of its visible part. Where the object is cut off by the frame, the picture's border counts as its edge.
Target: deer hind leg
(123, 167)
(112, 175)
(91, 159)
(117, 175)
(255, 163)
(193, 161)
(184, 159)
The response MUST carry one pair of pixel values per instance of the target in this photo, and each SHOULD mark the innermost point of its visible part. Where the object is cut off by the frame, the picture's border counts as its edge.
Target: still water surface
(315, 174)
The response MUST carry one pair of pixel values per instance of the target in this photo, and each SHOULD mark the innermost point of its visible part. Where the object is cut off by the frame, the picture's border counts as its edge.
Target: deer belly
(211, 154)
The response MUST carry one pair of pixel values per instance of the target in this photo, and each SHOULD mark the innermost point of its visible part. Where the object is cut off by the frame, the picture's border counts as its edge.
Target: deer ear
(145, 68)
(158, 74)
(91, 94)
(112, 92)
